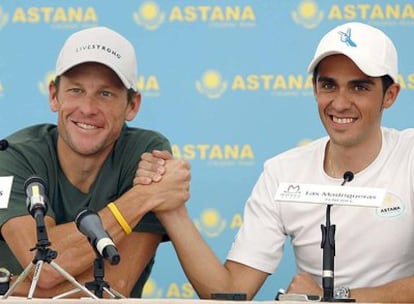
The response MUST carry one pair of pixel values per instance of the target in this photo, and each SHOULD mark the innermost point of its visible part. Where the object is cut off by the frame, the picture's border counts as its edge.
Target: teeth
(85, 126)
(342, 120)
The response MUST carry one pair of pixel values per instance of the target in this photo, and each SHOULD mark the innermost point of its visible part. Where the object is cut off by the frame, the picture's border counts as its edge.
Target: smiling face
(92, 107)
(350, 103)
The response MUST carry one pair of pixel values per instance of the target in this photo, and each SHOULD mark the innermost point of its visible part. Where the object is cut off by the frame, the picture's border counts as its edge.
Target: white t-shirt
(373, 245)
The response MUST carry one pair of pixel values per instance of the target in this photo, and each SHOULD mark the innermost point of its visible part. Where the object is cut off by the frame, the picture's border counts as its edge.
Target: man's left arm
(135, 251)
(398, 291)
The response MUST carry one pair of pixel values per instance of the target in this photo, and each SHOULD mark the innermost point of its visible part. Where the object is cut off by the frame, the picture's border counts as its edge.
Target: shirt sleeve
(12, 163)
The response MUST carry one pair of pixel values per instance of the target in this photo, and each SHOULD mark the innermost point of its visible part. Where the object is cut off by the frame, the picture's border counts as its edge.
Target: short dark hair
(387, 81)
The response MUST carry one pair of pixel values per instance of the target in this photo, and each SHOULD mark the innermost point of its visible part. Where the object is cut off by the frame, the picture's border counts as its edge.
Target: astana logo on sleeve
(149, 16)
(211, 84)
(307, 14)
(44, 85)
(4, 17)
(210, 223)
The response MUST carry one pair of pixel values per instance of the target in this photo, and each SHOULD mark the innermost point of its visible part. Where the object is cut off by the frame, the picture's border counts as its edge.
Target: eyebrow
(367, 80)
(325, 79)
(363, 81)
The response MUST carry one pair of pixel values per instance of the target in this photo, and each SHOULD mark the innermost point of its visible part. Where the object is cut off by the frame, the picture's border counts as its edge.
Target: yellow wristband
(120, 218)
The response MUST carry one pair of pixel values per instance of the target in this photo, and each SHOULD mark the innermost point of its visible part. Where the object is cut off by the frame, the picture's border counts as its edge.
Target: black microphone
(37, 203)
(4, 144)
(90, 224)
(348, 176)
(328, 246)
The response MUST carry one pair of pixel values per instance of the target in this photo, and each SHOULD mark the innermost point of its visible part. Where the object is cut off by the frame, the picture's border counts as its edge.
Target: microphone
(348, 176)
(89, 223)
(4, 144)
(328, 246)
(36, 201)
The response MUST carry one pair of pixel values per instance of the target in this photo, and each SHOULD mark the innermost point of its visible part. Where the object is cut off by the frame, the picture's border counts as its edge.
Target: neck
(339, 159)
(79, 169)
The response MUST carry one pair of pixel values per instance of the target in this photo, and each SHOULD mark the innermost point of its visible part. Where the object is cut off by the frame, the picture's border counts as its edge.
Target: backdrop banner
(225, 81)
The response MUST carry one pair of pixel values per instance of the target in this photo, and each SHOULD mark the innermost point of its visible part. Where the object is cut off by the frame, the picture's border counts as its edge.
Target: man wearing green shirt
(88, 160)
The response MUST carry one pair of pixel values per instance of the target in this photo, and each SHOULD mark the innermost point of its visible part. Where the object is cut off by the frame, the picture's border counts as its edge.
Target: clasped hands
(166, 178)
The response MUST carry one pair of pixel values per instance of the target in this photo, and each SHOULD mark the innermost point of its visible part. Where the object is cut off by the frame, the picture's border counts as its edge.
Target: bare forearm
(132, 205)
(22, 289)
(204, 270)
(135, 253)
(399, 291)
(74, 253)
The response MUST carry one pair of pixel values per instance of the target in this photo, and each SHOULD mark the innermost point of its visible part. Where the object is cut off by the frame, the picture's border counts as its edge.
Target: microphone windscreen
(33, 180)
(4, 144)
(348, 176)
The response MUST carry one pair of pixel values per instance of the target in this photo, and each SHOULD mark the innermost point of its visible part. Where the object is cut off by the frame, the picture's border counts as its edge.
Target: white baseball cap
(368, 47)
(101, 45)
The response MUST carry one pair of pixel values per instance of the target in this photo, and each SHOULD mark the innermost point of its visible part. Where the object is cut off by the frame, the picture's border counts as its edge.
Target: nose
(341, 101)
(88, 105)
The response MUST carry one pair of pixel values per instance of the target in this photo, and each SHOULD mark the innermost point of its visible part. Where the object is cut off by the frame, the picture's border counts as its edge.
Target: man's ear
(390, 95)
(53, 101)
(133, 106)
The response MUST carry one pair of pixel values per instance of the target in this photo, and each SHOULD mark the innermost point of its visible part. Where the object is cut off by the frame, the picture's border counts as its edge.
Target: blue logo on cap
(346, 37)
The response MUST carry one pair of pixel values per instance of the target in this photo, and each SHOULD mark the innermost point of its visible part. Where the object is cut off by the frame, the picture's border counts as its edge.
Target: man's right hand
(151, 168)
(165, 180)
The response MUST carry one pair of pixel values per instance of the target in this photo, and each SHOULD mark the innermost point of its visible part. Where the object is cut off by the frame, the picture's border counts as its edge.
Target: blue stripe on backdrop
(226, 81)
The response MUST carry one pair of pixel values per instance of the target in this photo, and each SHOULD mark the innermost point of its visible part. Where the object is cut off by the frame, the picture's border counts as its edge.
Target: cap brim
(70, 65)
(361, 63)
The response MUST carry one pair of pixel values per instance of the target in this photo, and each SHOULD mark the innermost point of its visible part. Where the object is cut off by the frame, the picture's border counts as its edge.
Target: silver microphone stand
(89, 223)
(99, 285)
(43, 254)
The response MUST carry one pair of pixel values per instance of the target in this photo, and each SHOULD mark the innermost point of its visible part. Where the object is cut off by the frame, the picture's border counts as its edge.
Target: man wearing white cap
(88, 160)
(354, 79)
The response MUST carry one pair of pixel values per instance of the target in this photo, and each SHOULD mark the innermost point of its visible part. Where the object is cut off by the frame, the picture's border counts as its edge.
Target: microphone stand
(328, 245)
(99, 285)
(43, 254)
